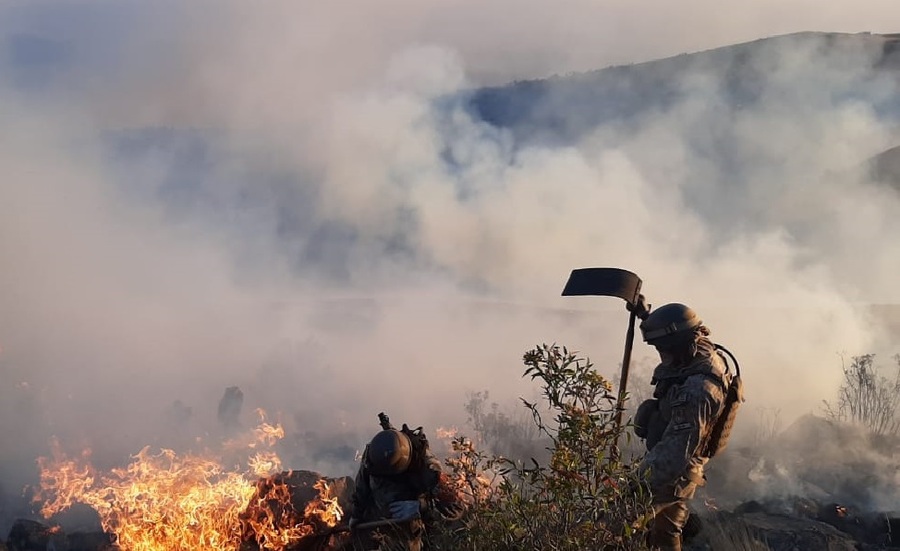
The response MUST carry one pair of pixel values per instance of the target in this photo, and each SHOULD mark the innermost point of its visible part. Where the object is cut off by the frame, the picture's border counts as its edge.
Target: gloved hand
(352, 523)
(404, 510)
(640, 307)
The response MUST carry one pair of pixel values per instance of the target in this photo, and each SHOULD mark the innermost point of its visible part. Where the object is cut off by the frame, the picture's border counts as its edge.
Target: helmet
(670, 325)
(389, 453)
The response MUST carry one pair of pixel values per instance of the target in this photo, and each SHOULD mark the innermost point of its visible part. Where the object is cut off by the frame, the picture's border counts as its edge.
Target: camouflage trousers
(670, 514)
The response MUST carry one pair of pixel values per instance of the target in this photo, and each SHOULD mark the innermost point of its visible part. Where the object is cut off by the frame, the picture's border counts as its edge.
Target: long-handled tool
(322, 541)
(612, 282)
(346, 544)
(368, 525)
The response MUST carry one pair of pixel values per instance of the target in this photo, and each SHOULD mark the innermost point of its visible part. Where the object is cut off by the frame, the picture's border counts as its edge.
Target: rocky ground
(757, 527)
(818, 485)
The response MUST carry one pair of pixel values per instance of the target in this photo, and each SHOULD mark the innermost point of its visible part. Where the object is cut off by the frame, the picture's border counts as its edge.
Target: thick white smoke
(318, 218)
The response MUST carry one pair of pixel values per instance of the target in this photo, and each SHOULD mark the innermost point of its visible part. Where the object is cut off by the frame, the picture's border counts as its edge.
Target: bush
(583, 497)
(768, 425)
(868, 398)
(512, 435)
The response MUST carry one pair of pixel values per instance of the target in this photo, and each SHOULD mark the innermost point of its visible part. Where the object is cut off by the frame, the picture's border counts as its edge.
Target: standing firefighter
(690, 417)
(399, 479)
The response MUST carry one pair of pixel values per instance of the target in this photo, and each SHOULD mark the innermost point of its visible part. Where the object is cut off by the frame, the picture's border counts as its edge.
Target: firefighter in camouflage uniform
(689, 418)
(400, 479)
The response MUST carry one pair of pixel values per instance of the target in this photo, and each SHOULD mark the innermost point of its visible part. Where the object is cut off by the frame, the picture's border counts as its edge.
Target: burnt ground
(819, 484)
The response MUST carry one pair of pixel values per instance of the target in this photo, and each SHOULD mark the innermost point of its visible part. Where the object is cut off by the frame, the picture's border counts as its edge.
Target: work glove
(352, 523)
(404, 510)
(640, 307)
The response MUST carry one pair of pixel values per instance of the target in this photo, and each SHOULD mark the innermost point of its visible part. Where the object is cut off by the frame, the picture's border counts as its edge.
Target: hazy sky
(325, 175)
(148, 61)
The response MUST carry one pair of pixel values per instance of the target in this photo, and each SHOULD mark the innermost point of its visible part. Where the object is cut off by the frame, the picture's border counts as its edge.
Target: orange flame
(326, 507)
(265, 433)
(446, 432)
(273, 522)
(167, 502)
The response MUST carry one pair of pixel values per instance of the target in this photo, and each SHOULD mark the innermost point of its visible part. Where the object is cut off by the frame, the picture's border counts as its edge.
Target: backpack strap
(717, 440)
(723, 381)
(737, 367)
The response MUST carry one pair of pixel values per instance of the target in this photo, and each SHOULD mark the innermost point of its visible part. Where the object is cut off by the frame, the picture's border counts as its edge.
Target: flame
(443, 444)
(467, 481)
(326, 508)
(273, 523)
(169, 502)
(447, 432)
(263, 463)
(265, 433)
(711, 504)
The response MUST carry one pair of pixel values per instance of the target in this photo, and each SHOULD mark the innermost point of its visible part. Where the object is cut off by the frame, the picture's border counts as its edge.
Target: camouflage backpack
(426, 480)
(419, 443)
(649, 422)
(734, 397)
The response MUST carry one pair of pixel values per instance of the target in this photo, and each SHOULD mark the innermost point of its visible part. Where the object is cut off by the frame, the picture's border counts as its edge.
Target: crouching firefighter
(400, 479)
(688, 420)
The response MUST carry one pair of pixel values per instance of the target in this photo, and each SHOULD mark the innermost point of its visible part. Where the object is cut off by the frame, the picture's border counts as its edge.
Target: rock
(302, 490)
(724, 531)
(30, 535)
(845, 520)
(302, 485)
(90, 541)
(751, 506)
(761, 531)
(77, 518)
(876, 529)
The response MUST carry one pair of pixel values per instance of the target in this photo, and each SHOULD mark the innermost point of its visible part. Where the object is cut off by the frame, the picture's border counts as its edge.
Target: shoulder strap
(721, 381)
(711, 376)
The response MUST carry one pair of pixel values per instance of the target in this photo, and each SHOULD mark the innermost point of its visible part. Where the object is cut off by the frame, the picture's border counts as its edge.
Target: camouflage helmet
(389, 453)
(670, 325)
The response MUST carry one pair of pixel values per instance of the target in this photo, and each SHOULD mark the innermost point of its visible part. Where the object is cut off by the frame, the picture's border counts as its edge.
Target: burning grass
(169, 502)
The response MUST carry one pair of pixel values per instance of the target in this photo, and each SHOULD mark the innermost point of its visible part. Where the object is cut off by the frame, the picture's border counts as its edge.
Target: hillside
(566, 107)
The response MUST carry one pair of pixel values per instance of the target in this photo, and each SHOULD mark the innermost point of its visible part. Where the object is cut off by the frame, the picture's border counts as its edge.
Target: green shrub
(582, 497)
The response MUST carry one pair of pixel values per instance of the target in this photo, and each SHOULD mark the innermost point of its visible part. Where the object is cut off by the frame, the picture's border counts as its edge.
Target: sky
(326, 257)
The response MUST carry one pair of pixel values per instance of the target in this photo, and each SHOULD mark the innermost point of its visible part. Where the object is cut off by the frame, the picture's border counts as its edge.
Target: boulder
(301, 487)
(31, 535)
(91, 541)
(761, 531)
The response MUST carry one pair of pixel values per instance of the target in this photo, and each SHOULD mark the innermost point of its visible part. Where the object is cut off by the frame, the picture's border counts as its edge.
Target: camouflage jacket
(374, 494)
(691, 397)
